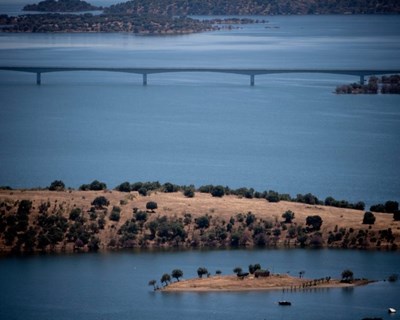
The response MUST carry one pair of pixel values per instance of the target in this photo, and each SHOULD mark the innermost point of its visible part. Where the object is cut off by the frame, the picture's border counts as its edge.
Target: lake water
(288, 133)
(115, 286)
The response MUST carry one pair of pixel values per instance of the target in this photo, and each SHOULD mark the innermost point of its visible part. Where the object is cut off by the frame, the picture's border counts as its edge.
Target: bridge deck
(244, 71)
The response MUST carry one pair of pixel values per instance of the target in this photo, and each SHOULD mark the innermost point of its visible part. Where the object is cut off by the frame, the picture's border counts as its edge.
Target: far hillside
(254, 7)
(61, 6)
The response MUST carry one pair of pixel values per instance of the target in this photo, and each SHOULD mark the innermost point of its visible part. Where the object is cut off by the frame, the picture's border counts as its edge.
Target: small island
(274, 282)
(256, 279)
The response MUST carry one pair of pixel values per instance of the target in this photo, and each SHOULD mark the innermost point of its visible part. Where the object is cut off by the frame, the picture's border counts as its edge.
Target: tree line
(145, 188)
(255, 7)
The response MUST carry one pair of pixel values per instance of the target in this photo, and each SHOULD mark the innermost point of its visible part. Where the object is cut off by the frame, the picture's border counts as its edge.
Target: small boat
(392, 310)
(284, 303)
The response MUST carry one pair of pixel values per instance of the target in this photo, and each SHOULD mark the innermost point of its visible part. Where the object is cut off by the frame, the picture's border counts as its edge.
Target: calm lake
(289, 133)
(115, 286)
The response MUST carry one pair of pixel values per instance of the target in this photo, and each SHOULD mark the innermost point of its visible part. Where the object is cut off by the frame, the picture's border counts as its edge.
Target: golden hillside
(67, 220)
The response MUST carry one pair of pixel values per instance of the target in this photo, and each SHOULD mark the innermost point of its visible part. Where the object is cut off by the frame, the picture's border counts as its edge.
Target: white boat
(392, 310)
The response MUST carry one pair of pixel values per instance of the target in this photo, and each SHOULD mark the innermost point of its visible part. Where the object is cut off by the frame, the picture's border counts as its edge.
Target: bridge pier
(38, 78)
(145, 79)
(252, 80)
(362, 80)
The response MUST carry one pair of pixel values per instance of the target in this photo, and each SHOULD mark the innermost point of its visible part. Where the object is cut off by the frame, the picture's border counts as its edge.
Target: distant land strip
(361, 73)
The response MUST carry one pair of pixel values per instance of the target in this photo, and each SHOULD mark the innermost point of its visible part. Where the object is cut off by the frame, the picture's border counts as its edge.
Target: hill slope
(77, 220)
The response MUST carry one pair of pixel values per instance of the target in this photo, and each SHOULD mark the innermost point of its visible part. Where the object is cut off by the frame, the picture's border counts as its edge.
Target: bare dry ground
(176, 205)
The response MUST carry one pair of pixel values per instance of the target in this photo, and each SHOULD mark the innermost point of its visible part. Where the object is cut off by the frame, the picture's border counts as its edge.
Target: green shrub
(115, 214)
(202, 222)
(75, 214)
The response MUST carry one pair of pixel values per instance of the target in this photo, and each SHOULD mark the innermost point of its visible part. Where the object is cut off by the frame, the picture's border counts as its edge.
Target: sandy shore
(274, 282)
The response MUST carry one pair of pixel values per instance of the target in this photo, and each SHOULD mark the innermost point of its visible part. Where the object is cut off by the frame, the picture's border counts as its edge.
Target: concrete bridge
(361, 73)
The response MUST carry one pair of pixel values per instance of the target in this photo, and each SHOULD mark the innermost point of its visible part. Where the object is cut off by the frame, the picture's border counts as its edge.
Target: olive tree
(369, 218)
(100, 202)
(153, 283)
(166, 278)
(237, 270)
(151, 205)
(347, 275)
(202, 271)
(314, 221)
(57, 185)
(177, 273)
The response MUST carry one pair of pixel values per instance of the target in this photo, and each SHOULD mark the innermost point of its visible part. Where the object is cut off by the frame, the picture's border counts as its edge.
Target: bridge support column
(252, 80)
(362, 80)
(38, 78)
(145, 79)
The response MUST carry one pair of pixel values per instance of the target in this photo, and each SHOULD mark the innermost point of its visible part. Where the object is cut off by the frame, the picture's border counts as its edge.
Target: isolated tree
(166, 278)
(151, 205)
(288, 216)
(369, 218)
(153, 283)
(177, 273)
(314, 221)
(202, 271)
(347, 275)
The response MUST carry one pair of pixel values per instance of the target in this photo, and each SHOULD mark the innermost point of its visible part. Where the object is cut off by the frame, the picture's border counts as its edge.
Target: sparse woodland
(151, 215)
